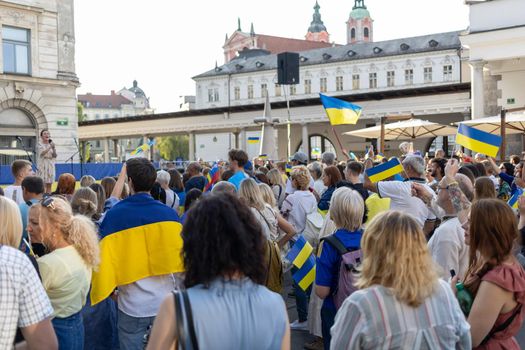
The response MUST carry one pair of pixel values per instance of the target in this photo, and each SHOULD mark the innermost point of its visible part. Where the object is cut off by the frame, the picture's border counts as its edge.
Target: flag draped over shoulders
(140, 238)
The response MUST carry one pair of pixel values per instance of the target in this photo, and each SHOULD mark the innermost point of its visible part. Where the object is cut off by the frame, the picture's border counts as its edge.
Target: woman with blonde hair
(278, 186)
(66, 270)
(400, 288)
(494, 278)
(10, 223)
(267, 195)
(269, 219)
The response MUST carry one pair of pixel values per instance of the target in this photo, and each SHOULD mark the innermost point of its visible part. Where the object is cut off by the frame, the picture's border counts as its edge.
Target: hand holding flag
(478, 141)
(385, 170)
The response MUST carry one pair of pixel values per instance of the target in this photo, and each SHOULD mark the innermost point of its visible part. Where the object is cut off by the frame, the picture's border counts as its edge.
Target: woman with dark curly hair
(224, 262)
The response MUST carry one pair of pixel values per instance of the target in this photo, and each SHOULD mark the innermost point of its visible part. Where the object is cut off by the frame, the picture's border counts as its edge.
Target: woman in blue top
(177, 186)
(346, 211)
(225, 272)
(331, 176)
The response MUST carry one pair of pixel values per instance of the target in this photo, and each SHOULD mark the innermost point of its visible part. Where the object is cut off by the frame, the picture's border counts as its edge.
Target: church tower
(360, 25)
(317, 30)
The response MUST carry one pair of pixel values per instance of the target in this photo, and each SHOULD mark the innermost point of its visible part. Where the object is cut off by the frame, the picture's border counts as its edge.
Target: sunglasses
(48, 202)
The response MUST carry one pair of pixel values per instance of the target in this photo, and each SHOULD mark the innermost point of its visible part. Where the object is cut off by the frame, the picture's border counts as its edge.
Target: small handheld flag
(385, 170)
(212, 177)
(478, 141)
(253, 140)
(143, 148)
(340, 112)
(288, 168)
(515, 198)
(301, 256)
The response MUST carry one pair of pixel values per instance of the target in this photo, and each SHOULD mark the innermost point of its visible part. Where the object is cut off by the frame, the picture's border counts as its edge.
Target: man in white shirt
(20, 169)
(400, 193)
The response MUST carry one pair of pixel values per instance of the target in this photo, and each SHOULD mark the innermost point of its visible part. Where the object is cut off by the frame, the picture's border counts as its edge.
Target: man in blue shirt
(32, 191)
(238, 159)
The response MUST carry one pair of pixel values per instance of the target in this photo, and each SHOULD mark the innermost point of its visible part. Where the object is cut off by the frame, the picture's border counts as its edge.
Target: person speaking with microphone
(46, 157)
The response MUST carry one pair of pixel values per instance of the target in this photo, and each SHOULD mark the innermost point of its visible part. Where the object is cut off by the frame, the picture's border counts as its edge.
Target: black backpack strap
(189, 316)
(336, 243)
(502, 326)
(179, 330)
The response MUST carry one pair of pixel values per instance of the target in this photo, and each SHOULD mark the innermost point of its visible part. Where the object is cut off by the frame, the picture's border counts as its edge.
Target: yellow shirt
(376, 205)
(66, 279)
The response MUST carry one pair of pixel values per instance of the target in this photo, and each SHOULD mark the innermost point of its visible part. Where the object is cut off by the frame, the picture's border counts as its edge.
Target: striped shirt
(372, 318)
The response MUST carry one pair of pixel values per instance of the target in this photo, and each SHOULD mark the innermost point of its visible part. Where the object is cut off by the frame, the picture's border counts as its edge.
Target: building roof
(136, 90)
(103, 101)
(276, 44)
(350, 52)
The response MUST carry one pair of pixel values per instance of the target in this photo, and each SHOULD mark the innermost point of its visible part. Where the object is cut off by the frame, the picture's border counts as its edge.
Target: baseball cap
(300, 157)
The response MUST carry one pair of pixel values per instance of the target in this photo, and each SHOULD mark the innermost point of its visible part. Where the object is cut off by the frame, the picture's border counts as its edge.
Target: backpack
(274, 275)
(350, 258)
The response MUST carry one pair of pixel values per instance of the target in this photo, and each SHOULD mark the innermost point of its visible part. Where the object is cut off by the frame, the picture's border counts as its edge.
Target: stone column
(192, 146)
(477, 90)
(106, 150)
(304, 147)
(115, 149)
(242, 139)
(236, 139)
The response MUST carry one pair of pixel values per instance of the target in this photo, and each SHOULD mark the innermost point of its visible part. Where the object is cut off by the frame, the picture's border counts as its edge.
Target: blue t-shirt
(237, 178)
(329, 261)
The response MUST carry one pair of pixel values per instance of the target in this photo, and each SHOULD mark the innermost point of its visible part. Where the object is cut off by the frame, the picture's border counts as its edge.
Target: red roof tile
(103, 101)
(276, 44)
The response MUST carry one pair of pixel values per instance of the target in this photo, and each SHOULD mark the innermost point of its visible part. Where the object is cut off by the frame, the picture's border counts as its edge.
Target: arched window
(16, 125)
(367, 32)
(318, 145)
(352, 33)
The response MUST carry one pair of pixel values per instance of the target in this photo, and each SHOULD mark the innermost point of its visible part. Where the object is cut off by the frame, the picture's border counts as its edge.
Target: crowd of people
(197, 257)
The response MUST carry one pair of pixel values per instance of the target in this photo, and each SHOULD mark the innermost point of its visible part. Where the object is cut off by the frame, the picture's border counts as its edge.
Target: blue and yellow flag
(340, 112)
(301, 256)
(478, 141)
(253, 140)
(143, 148)
(385, 170)
(514, 200)
(140, 238)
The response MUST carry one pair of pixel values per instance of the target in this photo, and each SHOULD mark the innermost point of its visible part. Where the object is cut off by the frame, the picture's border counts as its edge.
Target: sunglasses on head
(48, 202)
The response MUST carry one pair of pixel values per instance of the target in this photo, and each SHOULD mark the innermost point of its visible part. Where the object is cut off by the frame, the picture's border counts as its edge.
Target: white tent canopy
(514, 123)
(406, 130)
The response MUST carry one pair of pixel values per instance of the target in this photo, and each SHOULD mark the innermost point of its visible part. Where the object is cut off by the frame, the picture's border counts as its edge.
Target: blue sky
(164, 43)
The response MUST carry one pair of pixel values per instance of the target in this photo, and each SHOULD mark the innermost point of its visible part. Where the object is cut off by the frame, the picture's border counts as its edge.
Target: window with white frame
(323, 86)
(355, 82)
(213, 95)
(293, 90)
(16, 49)
(216, 94)
(427, 74)
(264, 90)
(409, 76)
(250, 91)
(339, 86)
(372, 80)
(390, 78)
(277, 90)
(447, 72)
(237, 93)
(307, 86)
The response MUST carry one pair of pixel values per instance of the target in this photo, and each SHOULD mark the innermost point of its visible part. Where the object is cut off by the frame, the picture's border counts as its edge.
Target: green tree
(171, 147)
(80, 112)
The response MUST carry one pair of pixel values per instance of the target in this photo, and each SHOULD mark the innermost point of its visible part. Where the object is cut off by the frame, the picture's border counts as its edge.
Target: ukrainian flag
(143, 148)
(515, 198)
(288, 168)
(385, 170)
(478, 141)
(140, 238)
(253, 140)
(301, 256)
(212, 177)
(340, 112)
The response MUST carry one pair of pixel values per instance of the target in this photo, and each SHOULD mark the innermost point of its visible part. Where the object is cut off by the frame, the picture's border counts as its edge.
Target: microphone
(18, 138)
(76, 143)
(50, 140)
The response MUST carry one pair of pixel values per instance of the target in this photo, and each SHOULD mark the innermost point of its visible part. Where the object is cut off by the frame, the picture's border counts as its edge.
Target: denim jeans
(327, 321)
(301, 299)
(131, 331)
(70, 332)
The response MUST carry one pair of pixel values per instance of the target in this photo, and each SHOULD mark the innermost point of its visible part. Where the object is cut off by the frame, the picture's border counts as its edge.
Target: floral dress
(46, 162)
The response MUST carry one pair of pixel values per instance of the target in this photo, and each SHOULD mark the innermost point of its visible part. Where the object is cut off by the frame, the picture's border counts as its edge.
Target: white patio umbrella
(406, 130)
(514, 123)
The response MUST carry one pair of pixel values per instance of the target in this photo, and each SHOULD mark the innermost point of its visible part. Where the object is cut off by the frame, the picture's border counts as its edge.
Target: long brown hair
(484, 188)
(334, 174)
(493, 234)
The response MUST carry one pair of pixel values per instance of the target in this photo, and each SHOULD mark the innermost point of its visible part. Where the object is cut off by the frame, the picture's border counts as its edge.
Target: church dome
(136, 90)
(359, 13)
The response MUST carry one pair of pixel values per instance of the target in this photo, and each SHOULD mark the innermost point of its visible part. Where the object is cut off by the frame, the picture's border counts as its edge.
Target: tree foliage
(80, 112)
(171, 147)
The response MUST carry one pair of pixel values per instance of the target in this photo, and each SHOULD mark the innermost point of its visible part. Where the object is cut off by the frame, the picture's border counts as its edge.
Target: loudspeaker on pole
(288, 68)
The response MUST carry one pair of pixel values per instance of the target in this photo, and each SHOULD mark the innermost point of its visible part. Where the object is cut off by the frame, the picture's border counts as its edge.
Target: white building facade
(37, 77)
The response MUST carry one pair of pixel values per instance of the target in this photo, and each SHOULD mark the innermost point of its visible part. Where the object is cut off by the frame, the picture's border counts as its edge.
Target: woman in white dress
(46, 156)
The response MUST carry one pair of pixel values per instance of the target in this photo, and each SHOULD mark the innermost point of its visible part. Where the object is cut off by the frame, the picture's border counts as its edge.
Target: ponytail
(82, 234)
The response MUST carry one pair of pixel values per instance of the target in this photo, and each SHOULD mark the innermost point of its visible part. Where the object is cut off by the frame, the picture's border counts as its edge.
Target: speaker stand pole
(288, 123)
